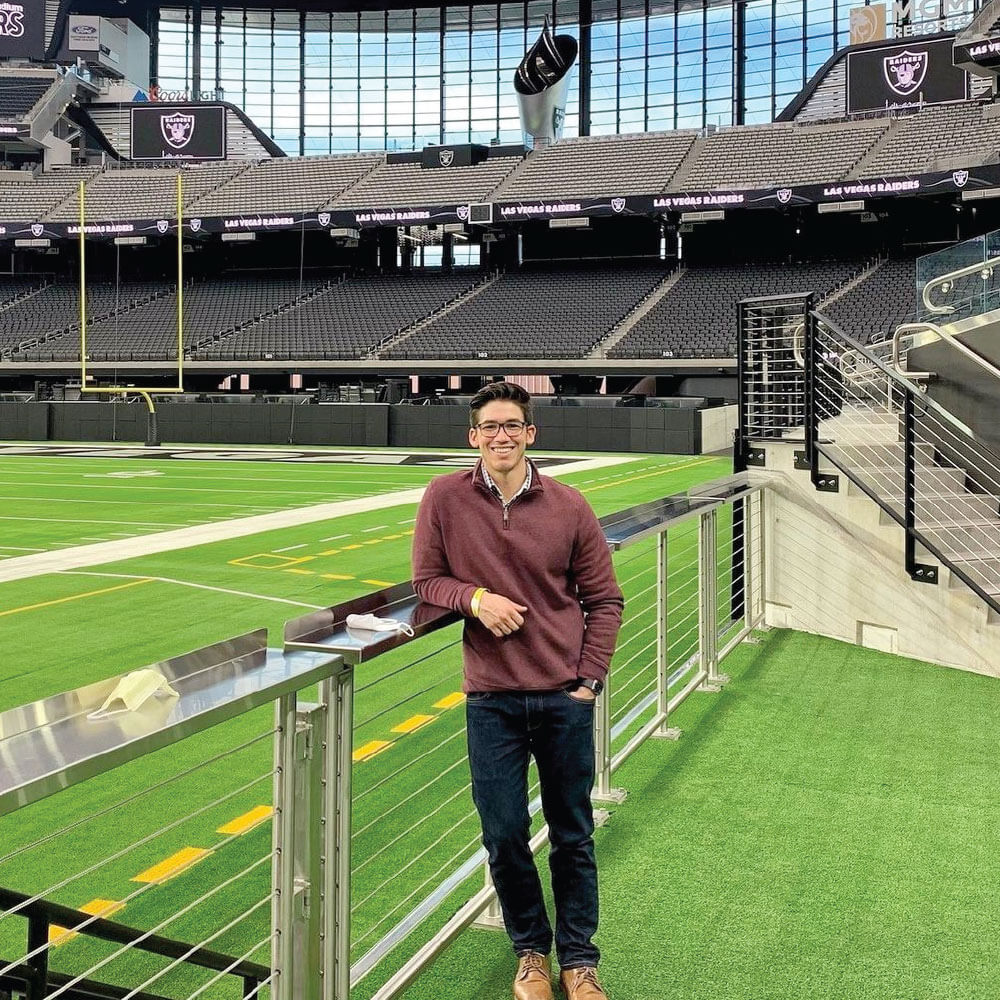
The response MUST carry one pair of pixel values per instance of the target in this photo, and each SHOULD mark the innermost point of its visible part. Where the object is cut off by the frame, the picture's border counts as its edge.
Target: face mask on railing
(370, 623)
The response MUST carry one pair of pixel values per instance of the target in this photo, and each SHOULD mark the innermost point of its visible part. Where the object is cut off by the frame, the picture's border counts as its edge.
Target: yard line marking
(330, 552)
(75, 597)
(334, 538)
(647, 475)
(370, 749)
(172, 867)
(450, 700)
(291, 548)
(336, 576)
(378, 583)
(379, 527)
(20, 548)
(372, 541)
(79, 520)
(197, 586)
(95, 908)
(408, 520)
(246, 822)
(412, 724)
(167, 488)
(345, 547)
(391, 538)
(79, 556)
(140, 503)
(123, 534)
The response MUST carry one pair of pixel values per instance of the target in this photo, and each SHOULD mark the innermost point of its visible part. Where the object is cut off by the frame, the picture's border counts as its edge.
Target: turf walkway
(826, 827)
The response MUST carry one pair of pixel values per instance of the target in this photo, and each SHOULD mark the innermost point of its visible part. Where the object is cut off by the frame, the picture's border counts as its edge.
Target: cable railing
(235, 835)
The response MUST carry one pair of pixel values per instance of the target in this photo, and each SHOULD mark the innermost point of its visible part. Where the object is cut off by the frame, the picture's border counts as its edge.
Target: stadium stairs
(641, 308)
(679, 179)
(390, 343)
(836, 559)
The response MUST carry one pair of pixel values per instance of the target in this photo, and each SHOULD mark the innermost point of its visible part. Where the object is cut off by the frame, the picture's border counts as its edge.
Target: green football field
(155, 557)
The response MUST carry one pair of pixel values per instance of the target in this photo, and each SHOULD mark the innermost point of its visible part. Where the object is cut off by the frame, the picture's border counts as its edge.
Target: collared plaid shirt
(496, 491)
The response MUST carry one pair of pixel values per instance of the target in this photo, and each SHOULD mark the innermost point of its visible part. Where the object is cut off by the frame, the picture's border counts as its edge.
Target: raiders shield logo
(177, 129)
(905, 72)
(784, 195)
(37, 229)
(162, 226)
(195, 225)
(617, 205)
(960, 177)
(462, 212)
(446, 156)
(323, 218)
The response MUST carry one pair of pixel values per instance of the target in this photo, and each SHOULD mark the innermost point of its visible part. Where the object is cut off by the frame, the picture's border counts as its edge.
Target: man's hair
(500, 391)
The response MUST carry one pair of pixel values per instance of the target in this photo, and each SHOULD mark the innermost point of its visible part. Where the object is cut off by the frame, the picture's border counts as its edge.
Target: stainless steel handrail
(943, 335)
(984, 266)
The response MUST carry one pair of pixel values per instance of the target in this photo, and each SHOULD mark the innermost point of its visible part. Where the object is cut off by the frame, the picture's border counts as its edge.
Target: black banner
(22, 29)
(904, 76)
(179, 132)
(985, 52)
(463, 155)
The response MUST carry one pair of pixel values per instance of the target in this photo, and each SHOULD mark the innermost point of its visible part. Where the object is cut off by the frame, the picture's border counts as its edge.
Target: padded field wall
(363, 425)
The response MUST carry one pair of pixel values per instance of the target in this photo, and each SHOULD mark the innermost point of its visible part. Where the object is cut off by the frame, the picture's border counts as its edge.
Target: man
(524, 559)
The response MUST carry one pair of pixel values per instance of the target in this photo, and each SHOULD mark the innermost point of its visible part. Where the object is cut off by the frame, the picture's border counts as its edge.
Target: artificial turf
(825, 827)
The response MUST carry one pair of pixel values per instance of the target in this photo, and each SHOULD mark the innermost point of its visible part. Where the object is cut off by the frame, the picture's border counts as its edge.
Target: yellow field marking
(372, 541)
(76, 597)
(351, 547)
(336, 576)
(410, 532)
(95, 908)
(173, 866)
(644, 475)
(330, 552)
(370, 749)
(246, 822)
(412, 724)
(281, 562)
(391, 538)
(301, 572)
(450, 700)
(378, 583)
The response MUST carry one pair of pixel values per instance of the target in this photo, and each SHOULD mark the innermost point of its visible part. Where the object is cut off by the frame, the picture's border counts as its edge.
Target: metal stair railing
(919, 463)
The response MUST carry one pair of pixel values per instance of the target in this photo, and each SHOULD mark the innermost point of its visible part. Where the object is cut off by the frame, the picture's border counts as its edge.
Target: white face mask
(132, 692)
(369, 623)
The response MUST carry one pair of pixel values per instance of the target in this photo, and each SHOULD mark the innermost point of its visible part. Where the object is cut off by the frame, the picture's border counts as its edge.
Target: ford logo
(84, 29)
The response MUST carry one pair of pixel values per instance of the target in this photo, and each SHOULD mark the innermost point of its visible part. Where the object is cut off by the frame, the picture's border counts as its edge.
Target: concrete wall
(677, 431)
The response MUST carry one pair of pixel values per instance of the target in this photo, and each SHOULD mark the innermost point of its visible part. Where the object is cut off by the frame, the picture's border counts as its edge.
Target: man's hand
(500, 615)
(583, 694)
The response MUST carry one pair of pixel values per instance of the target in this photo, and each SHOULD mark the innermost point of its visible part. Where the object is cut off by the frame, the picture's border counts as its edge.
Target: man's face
(502, 453)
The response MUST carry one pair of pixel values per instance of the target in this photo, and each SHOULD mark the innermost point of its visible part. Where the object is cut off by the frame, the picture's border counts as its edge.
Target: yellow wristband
(476, 598)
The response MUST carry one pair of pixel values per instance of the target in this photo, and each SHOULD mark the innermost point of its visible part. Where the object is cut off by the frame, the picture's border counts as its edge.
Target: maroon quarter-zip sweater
(545, 550)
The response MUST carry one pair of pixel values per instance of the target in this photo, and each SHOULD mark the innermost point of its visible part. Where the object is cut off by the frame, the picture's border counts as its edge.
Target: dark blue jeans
(505, 729)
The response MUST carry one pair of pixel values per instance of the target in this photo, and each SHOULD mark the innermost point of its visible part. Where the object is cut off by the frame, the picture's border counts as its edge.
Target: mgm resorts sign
(909, 17)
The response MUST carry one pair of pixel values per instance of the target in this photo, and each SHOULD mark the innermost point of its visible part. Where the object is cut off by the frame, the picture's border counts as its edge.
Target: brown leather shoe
(581, 984)
(534, 977)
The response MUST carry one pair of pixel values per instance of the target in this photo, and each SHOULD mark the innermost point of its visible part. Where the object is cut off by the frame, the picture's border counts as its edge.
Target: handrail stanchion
(603, 791)
(664, 731)
(283, 837)
(38, 937)
(491, 918)
(338, 695)
(708, 601)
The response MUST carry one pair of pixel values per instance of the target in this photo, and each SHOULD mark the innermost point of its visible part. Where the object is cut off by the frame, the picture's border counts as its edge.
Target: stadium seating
(875, 306)
(945, 136)
(398, 185)
(19, 94)
(697, 317)
(537, 313)
(344, 320)
(765, 155)
(32, 197)
(603, 165)
(294, 184)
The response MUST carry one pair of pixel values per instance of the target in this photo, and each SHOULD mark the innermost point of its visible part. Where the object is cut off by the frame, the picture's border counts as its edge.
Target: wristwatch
(596, 686)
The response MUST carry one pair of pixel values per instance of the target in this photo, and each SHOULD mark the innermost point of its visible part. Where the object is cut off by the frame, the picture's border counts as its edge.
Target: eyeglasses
(512, 428)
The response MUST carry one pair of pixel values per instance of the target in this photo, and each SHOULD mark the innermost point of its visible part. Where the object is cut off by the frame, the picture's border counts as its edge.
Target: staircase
(602, 348)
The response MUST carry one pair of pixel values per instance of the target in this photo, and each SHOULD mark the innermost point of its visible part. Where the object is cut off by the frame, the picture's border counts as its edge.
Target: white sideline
(79, 556)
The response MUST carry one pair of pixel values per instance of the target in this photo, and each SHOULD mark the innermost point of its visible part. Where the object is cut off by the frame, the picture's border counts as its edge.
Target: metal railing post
(338, 696)
(708, 601)
(283, 838)
(603, 791)
(492, 917)
(664, 731)
(753, 564)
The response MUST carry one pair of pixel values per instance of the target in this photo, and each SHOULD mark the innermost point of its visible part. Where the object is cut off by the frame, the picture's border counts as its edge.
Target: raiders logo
(617, 205)
(323, 218)
(462, 212)
(960, 177)
(784, 195)
(905, 72)
(446, 157)
(162, 226)
(37, 229)
(195, 225)
(177, 129)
